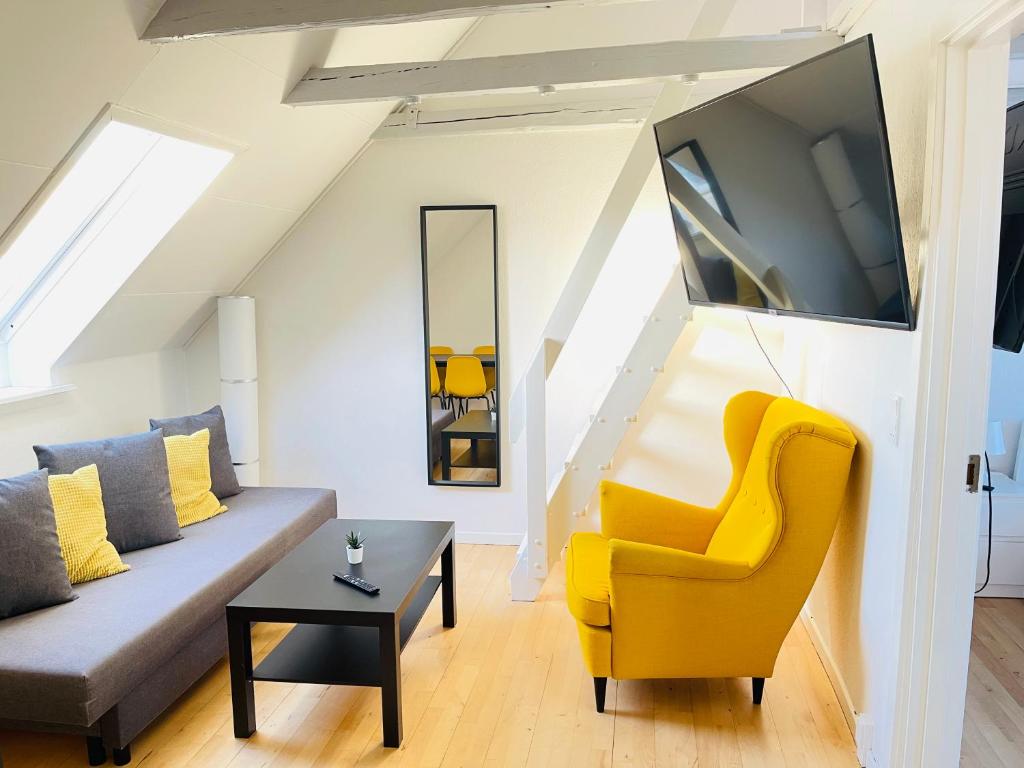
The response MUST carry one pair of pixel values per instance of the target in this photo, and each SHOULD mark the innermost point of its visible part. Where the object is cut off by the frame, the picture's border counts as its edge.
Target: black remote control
(361, 584)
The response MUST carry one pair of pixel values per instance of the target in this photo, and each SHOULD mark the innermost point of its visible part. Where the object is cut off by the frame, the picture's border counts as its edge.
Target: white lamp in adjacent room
(994, 444)
(236, 325)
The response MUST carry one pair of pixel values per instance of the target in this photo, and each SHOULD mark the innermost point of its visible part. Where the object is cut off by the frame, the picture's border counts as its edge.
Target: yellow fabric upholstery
(489, 377)
(435, 379)
(465, 377)
(586, 579)
(635, 515)
(82, 526)
(596, 643)
(441, 350)
(695, 592)
(188, 462)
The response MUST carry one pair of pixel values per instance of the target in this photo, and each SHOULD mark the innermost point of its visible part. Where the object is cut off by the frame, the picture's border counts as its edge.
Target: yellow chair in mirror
(435, 382)
(489, 376)
(465, 380)
(668, 589)
(440, 350)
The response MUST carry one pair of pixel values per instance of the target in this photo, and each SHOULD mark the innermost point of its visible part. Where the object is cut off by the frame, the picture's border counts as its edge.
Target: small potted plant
(354, 550)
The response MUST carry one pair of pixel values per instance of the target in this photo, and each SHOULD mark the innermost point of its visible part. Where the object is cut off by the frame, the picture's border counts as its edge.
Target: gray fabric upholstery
(74, 662)
(140, 706)
(136, 485)
(222, 471)
(439, 419)
(32, 571)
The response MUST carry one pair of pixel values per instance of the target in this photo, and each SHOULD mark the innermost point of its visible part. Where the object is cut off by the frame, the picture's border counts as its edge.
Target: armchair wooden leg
(123, 755)
(95, 749)
(600, 686)
(758, 689)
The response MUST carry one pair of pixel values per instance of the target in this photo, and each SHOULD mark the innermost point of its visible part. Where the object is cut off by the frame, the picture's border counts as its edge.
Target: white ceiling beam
(186, 19)
(517, 117)
(614, 64)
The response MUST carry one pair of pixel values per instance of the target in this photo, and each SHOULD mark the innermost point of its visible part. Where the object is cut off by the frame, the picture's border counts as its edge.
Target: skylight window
(115, 199)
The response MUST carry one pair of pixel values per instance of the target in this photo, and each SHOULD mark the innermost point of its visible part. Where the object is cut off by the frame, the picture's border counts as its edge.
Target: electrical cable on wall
(988, 488)
(766, 357)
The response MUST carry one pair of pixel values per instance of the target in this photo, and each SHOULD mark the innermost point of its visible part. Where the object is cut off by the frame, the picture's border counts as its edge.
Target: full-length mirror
(460, 329)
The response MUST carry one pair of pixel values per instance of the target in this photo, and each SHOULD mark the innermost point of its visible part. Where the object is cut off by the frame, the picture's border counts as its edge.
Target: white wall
(116, 396)
(461, 283)
(340, 324)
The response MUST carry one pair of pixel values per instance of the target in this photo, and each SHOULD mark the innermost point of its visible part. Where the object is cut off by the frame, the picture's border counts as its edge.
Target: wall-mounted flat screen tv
(782, 197)
(1008, 333)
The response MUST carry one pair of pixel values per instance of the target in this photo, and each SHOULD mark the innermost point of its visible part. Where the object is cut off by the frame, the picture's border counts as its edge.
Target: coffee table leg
(448, 585)
(243, 701)
(391, 681)
(446, 458)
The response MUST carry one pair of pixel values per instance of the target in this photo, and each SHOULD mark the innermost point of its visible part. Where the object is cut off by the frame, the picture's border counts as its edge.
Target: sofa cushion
(222, 471)
(136, 488)
(32, 572)
(81, 526)
(188, 462)
(121, 630)
(586, 579)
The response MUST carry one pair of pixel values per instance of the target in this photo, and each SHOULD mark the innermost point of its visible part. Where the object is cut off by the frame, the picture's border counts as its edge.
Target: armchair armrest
(679, 614)
(629, 558)
(634, 515)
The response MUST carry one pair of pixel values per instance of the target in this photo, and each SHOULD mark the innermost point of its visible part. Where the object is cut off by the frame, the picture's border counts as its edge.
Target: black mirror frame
(424, 210)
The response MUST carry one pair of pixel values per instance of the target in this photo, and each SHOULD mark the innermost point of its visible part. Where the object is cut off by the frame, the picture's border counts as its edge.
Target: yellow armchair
(669, 590)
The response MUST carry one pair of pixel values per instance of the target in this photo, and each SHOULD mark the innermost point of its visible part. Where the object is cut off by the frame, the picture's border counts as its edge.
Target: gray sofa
(108, 663)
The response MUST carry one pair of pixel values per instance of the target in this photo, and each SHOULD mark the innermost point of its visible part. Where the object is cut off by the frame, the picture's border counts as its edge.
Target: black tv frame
(1013, 179)
(901, 261)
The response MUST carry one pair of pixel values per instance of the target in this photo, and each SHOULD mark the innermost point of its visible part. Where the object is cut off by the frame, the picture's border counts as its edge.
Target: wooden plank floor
(994, 719)
(506, 687)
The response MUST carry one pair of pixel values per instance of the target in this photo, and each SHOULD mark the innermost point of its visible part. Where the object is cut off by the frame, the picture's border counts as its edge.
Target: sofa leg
(758, 689)
(123, 756)
(600, 686)
(97, 752)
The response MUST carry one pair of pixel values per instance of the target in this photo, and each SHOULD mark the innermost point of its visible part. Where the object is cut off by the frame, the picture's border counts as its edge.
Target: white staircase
(555, 499)
(567, 495)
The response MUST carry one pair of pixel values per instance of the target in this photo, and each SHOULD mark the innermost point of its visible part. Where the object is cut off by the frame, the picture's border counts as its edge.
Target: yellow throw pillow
(188, 461)
(82, 526)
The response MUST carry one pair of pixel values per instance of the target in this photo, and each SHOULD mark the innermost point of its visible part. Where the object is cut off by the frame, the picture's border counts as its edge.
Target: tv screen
(782, 198)
(1008, 333)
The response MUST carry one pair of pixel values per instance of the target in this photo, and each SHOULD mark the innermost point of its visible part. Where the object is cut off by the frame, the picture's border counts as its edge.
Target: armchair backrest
(790, 463)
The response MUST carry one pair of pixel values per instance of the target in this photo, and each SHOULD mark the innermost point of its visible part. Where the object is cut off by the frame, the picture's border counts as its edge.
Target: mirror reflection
(460, 334)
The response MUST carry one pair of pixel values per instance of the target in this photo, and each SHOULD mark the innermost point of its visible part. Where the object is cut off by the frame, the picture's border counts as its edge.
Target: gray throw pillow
(136, 485)
(222, 471)
(32, 571)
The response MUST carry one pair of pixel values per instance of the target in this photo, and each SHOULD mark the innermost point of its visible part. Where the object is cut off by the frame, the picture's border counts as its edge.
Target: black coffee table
(342, 636)
(477, 427)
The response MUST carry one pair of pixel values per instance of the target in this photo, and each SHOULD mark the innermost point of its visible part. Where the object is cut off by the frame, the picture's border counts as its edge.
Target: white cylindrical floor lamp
(236, 325)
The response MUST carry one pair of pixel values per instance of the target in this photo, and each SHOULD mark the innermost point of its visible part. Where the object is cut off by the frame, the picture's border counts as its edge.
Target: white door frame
(957, 298)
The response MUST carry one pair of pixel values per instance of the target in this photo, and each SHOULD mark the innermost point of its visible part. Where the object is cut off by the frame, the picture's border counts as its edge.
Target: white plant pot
(355, 556)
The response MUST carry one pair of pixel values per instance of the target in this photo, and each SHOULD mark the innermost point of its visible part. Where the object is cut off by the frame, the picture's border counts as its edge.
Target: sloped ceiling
(64, 60)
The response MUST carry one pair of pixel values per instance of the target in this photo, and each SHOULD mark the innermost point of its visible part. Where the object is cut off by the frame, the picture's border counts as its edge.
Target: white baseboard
(486, 537)
(832, 670)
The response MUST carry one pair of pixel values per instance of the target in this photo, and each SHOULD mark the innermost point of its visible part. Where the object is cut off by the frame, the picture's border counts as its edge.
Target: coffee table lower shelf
(328, 654)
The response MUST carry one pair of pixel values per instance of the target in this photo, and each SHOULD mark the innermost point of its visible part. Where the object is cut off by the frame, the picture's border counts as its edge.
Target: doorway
(957, 311)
